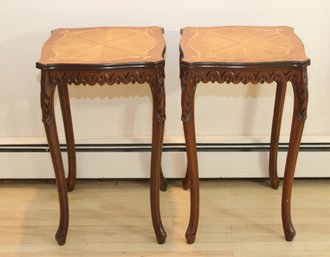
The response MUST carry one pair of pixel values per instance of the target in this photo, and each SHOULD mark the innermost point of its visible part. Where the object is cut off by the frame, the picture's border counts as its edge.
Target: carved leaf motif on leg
(47, 96)
(188, 87)
(160, 94)
(302, 93)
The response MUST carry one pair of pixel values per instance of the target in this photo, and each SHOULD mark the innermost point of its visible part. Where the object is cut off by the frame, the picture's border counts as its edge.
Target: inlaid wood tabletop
(241, 44)
(104, 45)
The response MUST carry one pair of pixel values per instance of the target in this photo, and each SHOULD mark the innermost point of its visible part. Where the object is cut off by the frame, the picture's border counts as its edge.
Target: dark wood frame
(62, 75)
(280, 72)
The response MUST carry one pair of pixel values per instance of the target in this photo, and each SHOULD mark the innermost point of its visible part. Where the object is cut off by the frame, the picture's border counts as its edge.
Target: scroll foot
(161, 238)
(70, 185)
(290, 233)
(185, 181)
(275, 183)
(190, 238)
(61, 235)
(163, 182)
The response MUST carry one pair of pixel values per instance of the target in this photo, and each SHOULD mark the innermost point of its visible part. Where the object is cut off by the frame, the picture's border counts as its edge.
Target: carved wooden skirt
(101, 56)
(244, 55)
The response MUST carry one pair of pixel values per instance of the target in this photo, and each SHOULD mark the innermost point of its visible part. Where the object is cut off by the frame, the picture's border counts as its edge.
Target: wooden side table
(244, 55)
(104, 55)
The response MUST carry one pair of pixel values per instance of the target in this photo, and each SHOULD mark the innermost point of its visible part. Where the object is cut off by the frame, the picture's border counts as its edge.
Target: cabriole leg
(187, 101)
(298, 120)
(48, 118)
(158, 120)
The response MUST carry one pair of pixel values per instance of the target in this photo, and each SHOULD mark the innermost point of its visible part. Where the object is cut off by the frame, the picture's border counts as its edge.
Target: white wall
(123, 113)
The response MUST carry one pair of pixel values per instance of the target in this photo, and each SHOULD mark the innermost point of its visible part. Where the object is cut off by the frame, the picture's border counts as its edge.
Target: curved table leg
(67, 121)
(158, 95)
(48, 118)
(276, 128)
(187, 102)
(298, 120)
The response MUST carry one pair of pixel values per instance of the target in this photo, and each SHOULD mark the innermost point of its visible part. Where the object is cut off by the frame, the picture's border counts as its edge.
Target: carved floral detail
(46, 96)
(153, 76)
(190, 77)
(158, 93)
(244, 76)
(100, 77)
(188, 87)
(301, 89)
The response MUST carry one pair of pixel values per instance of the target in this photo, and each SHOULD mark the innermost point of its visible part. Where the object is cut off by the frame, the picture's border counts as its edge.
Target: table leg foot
(161, 238)
(61, 235)
(185, 181)
(163, 182)
(290, 233)
(275, 183)
(194, 208)
(190, 238)
(70, 185)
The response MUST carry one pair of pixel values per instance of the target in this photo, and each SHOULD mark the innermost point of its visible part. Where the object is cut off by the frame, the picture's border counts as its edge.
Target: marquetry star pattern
(241, 44)
(108, 45)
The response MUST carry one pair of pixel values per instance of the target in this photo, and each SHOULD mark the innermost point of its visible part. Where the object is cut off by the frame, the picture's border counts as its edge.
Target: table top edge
(98, 66)
(245, 65)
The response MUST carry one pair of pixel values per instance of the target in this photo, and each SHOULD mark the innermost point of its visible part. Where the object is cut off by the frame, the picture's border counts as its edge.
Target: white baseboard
(231, 163)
